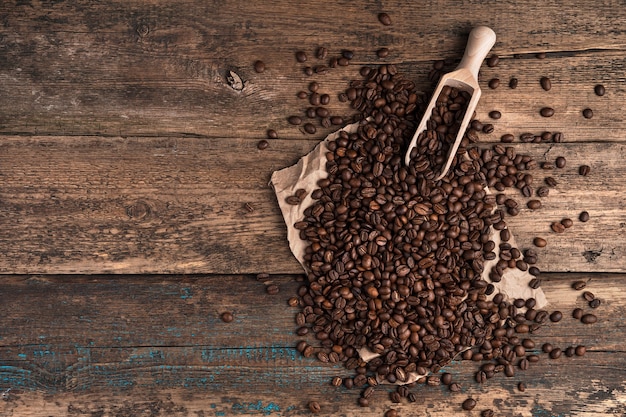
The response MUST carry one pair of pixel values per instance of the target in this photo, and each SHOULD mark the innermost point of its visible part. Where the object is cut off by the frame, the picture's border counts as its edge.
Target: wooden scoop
(464, 77)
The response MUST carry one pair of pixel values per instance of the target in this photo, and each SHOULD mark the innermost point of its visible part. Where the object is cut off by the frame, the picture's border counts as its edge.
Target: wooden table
(127, 161)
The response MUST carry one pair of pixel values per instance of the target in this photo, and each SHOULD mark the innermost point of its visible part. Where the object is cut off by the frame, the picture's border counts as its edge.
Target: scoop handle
(480, 41)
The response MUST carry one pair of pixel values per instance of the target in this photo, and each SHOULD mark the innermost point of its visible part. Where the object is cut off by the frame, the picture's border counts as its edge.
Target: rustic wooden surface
(126, 161)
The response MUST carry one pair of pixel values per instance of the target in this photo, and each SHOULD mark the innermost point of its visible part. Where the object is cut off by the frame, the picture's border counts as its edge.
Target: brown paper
(312, 167)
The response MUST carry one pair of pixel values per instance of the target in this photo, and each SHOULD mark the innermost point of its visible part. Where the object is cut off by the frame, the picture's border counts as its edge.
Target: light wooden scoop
(464, 77)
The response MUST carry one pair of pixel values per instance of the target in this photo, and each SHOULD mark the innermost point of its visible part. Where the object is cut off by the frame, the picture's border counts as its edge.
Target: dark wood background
(127, 160)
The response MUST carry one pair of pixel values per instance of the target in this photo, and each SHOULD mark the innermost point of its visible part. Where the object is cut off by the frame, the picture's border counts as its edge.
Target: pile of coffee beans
(396, 260)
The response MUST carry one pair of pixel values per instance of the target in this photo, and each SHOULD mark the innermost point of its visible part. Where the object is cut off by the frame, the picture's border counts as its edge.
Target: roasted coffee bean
(308, 71)
(493, 60)
(271, 134)
(584, 170)
(588, 296)
(599, 90)
(550, 181)
(302, 94)
(259, 66)
(595, 303)
(395, 397)
(272, 289)
(543, 191)
(314, 407)
(469, 404)
(580, 350)
(494, 83)
(546, 84)
(309, 128)
(495, 114)
(321, 53)
(567, 222)
(555, 353)
(347, 54)
(587, 113)
(454, 387)
(336, 381)
(535, 282)
(382, 52)
(384, 19)
(560, 162)
(570, 351)
(547, 111)
(589, 318)
(301, 56)
(391, 413)
(262, 144)
(363, 402)
(556, 316)
(579, 285)
(513, 83)
(521, 386)
(583, 216)
(446, 378)
(227, 317)
(324, 99)
(557, 227)
(533, 204)
(294, 120)
(540, 242)
(577, 313)
(507, 138)
(547, 347)
(488, 128)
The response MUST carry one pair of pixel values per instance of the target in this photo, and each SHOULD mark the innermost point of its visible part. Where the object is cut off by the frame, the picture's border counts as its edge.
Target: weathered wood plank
(136, 68)
(154, 337)
(173, 205)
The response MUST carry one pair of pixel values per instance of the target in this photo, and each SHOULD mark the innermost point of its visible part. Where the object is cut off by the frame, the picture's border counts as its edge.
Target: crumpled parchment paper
(312, 167)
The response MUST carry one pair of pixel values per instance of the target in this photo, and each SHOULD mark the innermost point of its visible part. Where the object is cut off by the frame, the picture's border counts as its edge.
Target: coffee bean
(556, 316)
(521, 386)
(589, 318)
(294, 120)
(599, 90)
(301, 56)
(543, 191)
(534, 204)
(595, 303)
(560, 162)
(272, 289)
(507, 138)
(583, 216)
(513, 83)
(302, 94)
(321, 53)
(579, 285)
(259, 66)
(570, 351)
(308, 71)
(580, 350)
(584, 170)
(324, 99)
(555, 353)
(469, 404)
(495, 114)
(262, 144)
(446, 378)
(347, 54)
(540, 242)
(454, 387)
(493, 60)
(494, 83)
(588, 296)
(547, 111)
(271, 134)
(587, 113)
(488, 128)
(309, 128)
(391, 413)
(567, 222)
(557, 227)
(547, 347)
(384, 19)
(546, 84)
(382, 52)
(314, 407)
(550, 181)
(577, 313)
(363, 402)
(487, 413)
(227, 317)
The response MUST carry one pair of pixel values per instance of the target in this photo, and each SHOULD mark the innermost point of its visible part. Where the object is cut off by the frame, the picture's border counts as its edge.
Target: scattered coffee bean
(507, 138)
(391, 413)
(347, 54)
(272, 289)
(382, 52)
(271, 134)
(521, 387)
(556, 316)
(555, 353)
(543, 191)
(533, 204)
(259, 66)
(567, 222)
(469, 404)
(583, 216)
(493, 60)
(227, 317)
(294, 120)
(546, 84)
(547, 347)
(488, 128)
(599, 90)
(570, 351)
(577, 313)
(513, 83)
(487, 413)
(302, 94)
(579, 285)
(293, 302)
(588, 296)
(494, 83)
(540, 55)
(495, 114)
(301, 56)
(547, 111)
(321, 53)
(580, 350)
(363, 402)
(309, 128)
(308, 71)
(314, 407)
(262, 144)
(557, 227)
(454, 387)
(540, 242)
(384, 19)
(589, 318)
(584, 170)
(560, 162)
(595, 303)
(550, 181)
(587, 113)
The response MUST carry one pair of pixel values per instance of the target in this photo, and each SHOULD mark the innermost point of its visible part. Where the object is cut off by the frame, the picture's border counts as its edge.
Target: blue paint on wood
(22, 355)
(538, 411)
(187, 293)
(257, 407)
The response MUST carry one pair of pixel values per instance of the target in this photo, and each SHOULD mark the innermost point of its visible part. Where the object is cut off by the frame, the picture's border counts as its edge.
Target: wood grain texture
(141, 68)
(176, 205)
(119, 346)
